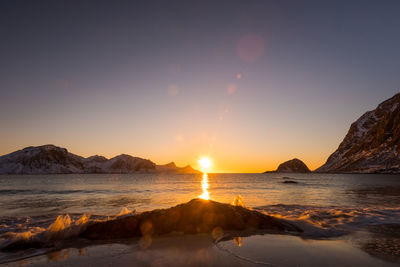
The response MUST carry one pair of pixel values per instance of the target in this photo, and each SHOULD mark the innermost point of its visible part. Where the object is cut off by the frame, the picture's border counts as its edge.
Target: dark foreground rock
(196, 216)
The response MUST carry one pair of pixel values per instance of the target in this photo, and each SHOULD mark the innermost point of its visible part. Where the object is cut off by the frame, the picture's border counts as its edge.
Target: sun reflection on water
(204, 186)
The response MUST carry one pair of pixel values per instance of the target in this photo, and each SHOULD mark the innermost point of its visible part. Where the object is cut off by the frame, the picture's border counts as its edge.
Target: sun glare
(205, 164)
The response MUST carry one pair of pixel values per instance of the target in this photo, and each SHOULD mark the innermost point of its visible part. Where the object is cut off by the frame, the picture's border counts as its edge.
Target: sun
(205, 164)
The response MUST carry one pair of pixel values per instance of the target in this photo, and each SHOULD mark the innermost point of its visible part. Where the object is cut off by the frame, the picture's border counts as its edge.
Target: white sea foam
(62, 228)
(332, 221)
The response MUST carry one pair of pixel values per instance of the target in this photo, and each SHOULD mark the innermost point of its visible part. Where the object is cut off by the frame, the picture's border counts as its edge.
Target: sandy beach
(200, 250)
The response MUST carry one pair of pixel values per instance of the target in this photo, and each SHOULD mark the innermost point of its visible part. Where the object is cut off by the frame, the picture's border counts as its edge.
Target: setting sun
(205, 164)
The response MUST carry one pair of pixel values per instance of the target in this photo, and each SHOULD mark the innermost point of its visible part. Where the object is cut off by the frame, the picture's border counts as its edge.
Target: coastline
(200, 250)
(209, 233)
(287, 233)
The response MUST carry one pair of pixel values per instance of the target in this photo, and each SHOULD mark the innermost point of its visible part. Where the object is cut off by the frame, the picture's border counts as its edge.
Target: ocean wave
(332, 221)
(328, 221)
(65, 192)
(51, 192)
(41, 232)
(195, 216)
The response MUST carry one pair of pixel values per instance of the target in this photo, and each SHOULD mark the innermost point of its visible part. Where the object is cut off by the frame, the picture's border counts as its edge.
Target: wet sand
(200, 250)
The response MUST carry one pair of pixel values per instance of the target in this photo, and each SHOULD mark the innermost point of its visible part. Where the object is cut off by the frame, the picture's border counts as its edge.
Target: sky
(249, 84)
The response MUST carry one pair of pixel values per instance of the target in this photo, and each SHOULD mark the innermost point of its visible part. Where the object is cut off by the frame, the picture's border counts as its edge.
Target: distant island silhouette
(293, 165)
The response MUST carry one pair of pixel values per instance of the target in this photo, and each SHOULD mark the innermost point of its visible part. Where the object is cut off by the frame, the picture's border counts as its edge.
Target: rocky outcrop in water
(372, 144)
(292, 166)
(196, 216)
(290, 182)
(50, 159)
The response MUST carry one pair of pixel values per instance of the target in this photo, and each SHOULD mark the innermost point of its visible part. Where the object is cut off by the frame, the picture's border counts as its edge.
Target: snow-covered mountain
(372, 145)
(50, 159)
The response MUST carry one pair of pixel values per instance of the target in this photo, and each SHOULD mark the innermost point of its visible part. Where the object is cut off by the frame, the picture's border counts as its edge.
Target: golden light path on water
(205, 164)
(204, 186)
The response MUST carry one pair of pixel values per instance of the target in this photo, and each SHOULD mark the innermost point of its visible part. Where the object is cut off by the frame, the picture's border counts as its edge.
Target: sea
(324, 205)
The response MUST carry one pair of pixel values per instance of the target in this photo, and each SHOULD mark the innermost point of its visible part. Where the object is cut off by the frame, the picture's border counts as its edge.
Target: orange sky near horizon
(225, 158)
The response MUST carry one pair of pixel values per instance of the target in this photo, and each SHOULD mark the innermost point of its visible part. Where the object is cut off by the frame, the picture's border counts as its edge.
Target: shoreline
(227, 234)
(201, 250)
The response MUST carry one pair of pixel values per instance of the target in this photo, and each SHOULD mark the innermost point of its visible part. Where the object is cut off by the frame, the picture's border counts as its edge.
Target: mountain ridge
(51, 159)
(372, 144)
